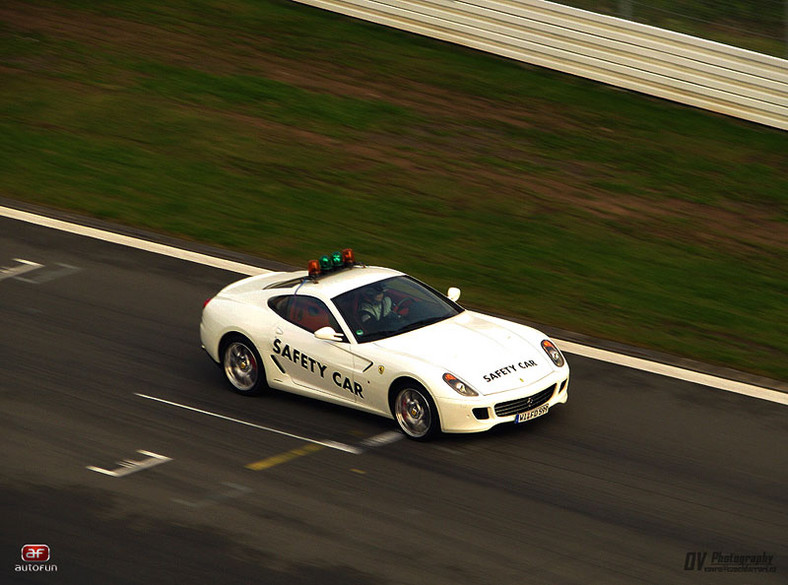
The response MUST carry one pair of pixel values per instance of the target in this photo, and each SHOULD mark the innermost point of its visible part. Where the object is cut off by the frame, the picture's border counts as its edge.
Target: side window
(279, 305)
(307, 312)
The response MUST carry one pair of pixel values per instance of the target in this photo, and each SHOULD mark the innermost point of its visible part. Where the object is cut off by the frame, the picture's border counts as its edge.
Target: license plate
(531, 414)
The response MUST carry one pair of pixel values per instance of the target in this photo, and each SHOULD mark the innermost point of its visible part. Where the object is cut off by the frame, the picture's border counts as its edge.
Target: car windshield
(391, 307)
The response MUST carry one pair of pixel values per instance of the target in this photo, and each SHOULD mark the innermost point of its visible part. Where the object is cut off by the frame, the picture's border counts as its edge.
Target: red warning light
(313, 268)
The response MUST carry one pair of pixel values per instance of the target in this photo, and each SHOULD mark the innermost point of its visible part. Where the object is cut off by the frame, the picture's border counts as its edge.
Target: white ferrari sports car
(378, 340)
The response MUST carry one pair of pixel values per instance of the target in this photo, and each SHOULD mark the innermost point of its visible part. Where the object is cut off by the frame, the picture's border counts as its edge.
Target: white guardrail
(643, 58)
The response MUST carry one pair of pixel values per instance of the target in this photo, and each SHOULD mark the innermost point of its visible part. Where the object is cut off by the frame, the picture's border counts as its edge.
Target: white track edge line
(674, 372)
(132, 242)
(249, 270)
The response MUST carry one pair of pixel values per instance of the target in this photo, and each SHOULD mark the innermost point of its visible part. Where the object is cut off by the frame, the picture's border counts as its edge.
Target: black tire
(415, 412)
(242, 366)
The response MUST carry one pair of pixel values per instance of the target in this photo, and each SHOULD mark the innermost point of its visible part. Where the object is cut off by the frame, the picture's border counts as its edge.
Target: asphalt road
(632, 481)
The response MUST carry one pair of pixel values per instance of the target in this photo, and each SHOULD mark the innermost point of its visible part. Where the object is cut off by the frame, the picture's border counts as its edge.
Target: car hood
(490, 354)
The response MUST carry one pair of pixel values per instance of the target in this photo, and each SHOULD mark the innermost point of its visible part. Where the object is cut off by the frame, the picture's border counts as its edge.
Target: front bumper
(484, 412)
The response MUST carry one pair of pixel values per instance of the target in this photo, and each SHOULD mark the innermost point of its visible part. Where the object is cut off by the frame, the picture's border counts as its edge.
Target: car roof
(335, 283)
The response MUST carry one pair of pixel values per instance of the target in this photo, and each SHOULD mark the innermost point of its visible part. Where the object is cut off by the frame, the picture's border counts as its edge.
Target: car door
(313, 365)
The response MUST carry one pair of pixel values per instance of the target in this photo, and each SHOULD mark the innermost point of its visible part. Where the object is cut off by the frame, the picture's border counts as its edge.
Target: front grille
(522, 404)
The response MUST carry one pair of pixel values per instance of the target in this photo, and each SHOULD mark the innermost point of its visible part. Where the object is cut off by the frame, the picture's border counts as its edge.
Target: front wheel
(242, 366)
(415, 412)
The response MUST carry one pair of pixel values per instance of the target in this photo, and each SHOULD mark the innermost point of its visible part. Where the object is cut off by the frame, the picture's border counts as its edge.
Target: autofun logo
(35, 553)
(36, 557)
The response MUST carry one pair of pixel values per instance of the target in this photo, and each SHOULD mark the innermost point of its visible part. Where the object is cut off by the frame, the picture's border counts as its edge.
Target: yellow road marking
(284, 457)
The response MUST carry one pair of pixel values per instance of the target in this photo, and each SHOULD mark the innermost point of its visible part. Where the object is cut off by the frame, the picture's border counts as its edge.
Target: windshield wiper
(422, 323)
(384, 333)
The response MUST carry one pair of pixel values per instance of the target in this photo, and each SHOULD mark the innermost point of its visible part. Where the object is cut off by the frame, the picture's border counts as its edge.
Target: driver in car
(375, 305)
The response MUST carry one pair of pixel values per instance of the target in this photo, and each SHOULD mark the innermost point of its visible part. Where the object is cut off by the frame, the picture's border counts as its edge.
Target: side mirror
(453, 294)
(328, 334)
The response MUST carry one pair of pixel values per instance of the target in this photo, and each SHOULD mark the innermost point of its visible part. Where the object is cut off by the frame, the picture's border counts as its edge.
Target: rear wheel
(415, 412)
(242, 366)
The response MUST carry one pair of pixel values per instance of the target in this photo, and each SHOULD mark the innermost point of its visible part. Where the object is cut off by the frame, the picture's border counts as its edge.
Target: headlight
(458, 385)
(551, 350)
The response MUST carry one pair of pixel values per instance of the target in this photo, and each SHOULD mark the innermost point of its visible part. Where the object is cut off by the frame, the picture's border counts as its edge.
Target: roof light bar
(331, 262)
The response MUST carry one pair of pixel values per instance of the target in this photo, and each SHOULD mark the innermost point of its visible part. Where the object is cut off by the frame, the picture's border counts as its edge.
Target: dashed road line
(234, 491)
(330, 444)
(382, 439)
(275, 460)
(16, 271)
(127, 466)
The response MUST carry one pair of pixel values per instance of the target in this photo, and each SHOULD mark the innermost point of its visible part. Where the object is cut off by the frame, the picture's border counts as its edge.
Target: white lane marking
(246, 269)
(127, 466)
(48, 275)
(16, 271)
(131, 242)
(235, 491)
(329, 444)
(673, 372)
(382, 439)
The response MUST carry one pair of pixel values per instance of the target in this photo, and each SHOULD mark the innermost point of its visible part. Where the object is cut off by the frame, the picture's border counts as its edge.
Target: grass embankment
(270, 127)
